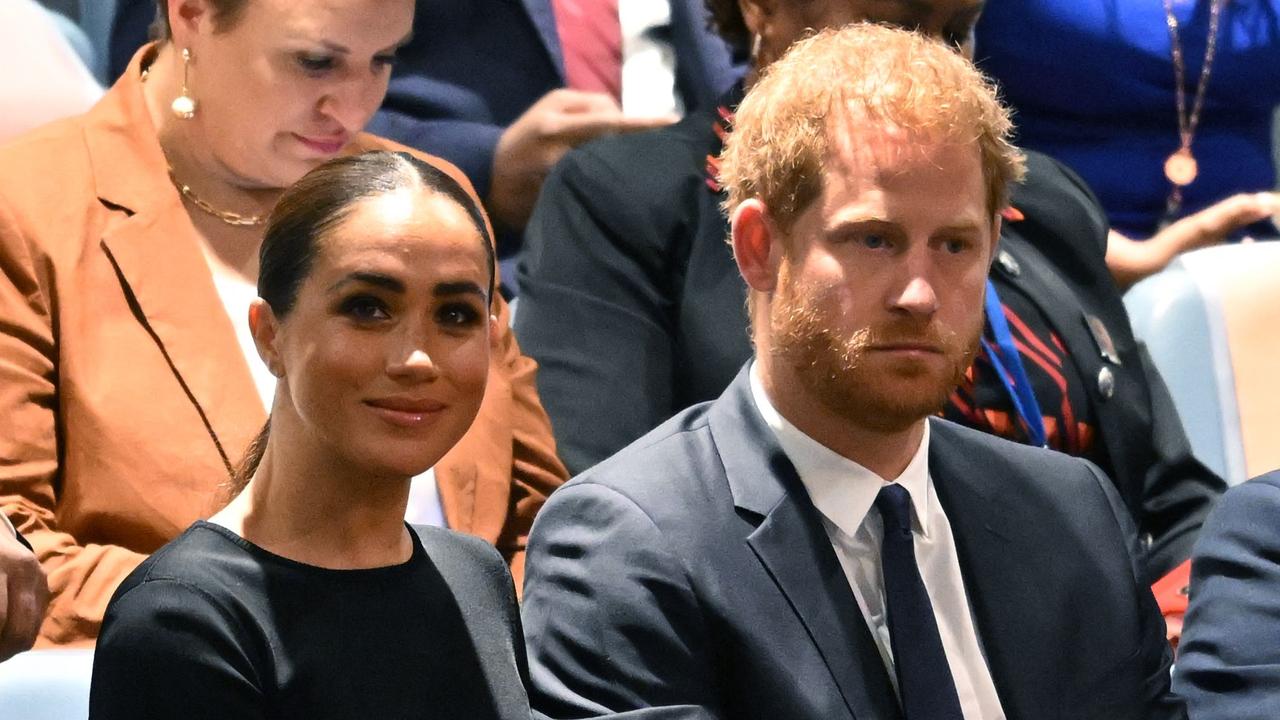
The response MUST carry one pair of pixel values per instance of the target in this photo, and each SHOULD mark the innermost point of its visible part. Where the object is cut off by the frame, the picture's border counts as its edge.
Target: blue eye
(874, 241)
(955, 247)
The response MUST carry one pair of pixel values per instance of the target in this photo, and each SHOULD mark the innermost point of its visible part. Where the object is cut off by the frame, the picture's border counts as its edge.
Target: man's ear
(265, 328)
(755, 13)
(757, 245)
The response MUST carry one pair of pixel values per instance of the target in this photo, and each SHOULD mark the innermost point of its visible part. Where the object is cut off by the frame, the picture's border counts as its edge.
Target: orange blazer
(124, 396)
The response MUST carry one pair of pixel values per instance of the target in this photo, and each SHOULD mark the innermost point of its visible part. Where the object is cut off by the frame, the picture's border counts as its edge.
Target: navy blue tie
(925, 685)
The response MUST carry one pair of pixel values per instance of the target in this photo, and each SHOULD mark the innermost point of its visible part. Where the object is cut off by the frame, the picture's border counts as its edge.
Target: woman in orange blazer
(126, 397)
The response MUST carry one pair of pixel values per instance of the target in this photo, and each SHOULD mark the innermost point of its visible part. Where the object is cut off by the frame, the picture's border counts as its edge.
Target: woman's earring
(184, 106)
(755, 49)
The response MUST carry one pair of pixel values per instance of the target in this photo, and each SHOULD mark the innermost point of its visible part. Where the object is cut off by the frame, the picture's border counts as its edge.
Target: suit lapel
(794, 549)
(161, 269)
(543, 17)
(1000, 561)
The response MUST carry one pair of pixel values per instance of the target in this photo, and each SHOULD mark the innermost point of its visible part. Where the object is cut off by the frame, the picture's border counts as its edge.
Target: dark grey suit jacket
(1229, 659)
(690, 577)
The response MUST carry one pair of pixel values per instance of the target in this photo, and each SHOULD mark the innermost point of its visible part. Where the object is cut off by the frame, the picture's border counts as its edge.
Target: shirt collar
(841, 489)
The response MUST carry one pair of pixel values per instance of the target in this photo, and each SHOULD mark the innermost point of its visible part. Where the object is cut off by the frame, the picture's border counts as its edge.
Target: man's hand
(24, 594)
(560, 121)
(1132, 260)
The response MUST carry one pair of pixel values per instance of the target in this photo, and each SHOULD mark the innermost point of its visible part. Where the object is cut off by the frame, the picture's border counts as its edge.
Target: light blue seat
(46, 685)
(1211, 321)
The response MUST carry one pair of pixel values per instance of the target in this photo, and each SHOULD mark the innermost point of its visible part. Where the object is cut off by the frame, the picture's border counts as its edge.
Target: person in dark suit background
(1229, 659)
(485, 84)
(633, 306)
(25, 590)
(812, 544)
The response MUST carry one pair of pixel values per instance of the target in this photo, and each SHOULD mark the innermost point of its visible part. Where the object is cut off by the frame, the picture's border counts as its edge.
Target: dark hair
(226, 13)
(726, 18)
(312, 208)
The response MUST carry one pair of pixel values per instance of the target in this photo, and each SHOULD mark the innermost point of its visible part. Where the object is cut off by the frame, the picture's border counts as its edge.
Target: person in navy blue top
(1093, 83)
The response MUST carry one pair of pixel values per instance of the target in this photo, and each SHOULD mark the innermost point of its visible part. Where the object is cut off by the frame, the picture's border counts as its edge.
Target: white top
(844, 493)
(237, 294)
(648, 63)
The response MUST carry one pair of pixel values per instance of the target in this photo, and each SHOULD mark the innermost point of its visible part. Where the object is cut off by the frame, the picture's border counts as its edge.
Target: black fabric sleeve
(168, 650)
(595, 308)
(1229, 660)
(1178, 490)
(611, 620)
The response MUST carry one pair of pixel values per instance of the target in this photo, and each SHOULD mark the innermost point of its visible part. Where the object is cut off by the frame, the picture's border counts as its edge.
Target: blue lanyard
(1008, 364)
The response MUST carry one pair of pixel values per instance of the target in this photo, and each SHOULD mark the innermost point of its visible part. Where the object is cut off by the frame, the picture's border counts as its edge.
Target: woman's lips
(324, 145)
(405, 412)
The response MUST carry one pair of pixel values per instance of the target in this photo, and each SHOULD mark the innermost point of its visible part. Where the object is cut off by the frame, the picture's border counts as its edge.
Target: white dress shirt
(844, 493)
(237, 294)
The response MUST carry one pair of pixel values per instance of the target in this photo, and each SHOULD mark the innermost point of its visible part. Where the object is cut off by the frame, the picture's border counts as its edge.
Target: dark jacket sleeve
(1229, 659)
(1178, 491)
(610, 617)
(167, 650)
(595, 307)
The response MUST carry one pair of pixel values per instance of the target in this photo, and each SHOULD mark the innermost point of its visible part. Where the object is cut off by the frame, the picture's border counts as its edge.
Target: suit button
(1106, 383)
(1009, 263)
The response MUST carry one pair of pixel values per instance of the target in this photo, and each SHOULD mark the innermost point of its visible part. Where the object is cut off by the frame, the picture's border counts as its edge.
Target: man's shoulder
(1024, 470)
(652, 160)
(670, 462)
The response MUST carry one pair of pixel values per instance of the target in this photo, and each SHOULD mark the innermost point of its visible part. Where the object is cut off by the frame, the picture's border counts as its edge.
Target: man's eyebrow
(370, 278)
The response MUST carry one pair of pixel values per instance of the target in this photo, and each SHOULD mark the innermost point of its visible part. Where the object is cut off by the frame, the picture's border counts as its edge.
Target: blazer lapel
(1000, 561)
(792, 545)
(162, 271)
(543, 17)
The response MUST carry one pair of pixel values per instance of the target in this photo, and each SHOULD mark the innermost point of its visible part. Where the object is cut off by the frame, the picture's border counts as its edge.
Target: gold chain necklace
(225, 216)
(1181, 167)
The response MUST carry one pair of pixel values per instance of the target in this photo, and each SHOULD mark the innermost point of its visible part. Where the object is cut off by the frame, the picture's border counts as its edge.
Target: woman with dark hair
(309, 596)
(634, 308)
(128, 381)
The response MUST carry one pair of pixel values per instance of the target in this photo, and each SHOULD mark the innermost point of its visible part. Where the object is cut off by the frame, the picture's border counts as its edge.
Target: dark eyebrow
(464, 287)
(370, 278)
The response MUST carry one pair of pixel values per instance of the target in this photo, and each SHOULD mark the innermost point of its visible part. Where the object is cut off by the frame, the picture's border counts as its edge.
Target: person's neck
(187, 154)
(303, 506)
(887, 453)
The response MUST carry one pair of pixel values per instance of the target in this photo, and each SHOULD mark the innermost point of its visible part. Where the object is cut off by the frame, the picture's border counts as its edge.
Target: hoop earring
(184, 106)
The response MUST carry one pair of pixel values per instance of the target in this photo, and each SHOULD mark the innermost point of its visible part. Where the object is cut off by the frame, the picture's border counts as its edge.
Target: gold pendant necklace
(1181, 168)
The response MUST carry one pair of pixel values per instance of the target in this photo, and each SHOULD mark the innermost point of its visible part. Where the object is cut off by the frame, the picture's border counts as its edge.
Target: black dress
(212, 626)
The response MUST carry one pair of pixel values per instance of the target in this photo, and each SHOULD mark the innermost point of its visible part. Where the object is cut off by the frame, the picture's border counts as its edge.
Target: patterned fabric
(983, 403)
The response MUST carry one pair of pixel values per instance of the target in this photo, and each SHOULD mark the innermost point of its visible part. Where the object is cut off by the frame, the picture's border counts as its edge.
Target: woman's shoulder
(202, 562)
(469, 565)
